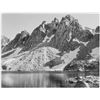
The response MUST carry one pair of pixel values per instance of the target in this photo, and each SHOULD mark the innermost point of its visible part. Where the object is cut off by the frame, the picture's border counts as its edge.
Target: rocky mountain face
(65, 32)
(19, 41)
(35, 38)
(4, 41)
(97, 30)
(52, 46)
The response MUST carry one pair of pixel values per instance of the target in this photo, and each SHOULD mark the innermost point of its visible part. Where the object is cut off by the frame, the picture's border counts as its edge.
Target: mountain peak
(67, 18)
(4, 41)
(97, 30)
(61, 34)
(24, 34)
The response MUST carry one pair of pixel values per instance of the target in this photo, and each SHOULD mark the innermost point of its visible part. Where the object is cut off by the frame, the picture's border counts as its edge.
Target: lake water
(41, 79)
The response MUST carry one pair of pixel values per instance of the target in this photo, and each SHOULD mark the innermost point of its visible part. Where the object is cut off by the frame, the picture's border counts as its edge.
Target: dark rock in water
(80, 84)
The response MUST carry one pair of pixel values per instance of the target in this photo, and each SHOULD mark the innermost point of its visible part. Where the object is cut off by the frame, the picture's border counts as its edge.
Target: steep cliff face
(65, 32)
(36, 37)
(19, 41)
(4, 41)
(97, 30)
(57, 34)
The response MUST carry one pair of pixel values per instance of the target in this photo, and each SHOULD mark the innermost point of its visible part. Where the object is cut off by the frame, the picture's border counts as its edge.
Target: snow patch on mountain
(69, 37)
(66, 58)
(48, 39)
(95, 55)
(85, 43)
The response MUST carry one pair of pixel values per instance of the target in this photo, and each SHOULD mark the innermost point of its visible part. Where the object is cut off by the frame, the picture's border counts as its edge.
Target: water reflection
(41, 79)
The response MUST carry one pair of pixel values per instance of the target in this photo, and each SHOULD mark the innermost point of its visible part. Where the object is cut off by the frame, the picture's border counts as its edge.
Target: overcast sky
(15, 23)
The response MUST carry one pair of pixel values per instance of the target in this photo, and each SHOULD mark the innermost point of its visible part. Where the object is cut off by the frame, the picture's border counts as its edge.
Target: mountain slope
(19, 41)
(4, 41)
(51, 46)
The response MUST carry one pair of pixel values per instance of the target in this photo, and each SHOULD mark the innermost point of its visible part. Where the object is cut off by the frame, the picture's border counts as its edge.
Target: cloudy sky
(15, 23)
